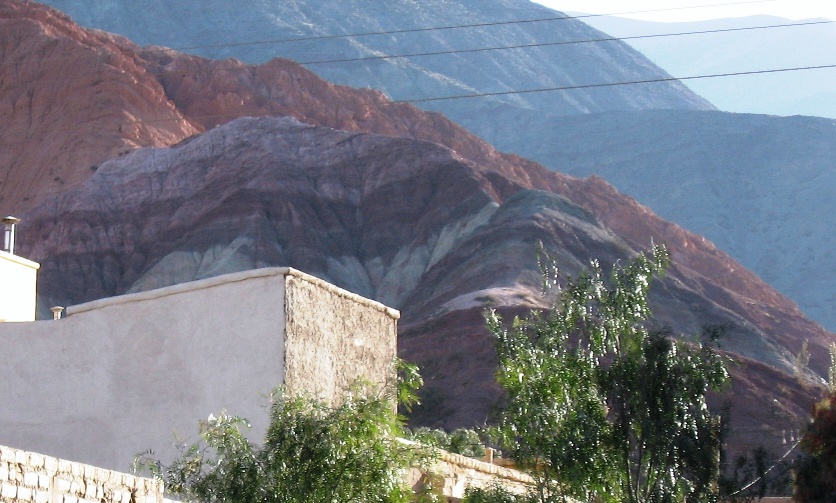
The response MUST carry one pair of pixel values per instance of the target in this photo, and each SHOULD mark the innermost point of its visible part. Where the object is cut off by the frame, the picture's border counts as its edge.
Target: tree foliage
(599, 408)
(311, 452)
(462, 441)
(816, 470)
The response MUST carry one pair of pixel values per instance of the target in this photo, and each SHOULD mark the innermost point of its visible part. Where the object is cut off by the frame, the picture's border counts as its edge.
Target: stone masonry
(30, 477)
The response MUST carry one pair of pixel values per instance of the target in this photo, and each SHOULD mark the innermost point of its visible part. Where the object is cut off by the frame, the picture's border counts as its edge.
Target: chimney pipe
(9, 224)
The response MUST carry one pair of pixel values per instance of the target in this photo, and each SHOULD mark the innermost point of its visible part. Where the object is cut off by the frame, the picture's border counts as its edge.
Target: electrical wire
(565, 42)
(622, 83)
(533, 45)
(193, 118)
(750, 484)
(570, 42)
(459, 26)
(528, 91)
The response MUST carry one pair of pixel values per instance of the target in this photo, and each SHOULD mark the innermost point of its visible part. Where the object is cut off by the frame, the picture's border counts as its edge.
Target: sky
(791, 9)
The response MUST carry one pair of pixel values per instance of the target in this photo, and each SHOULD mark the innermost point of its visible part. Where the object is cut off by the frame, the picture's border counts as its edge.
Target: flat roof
(20, 260)
(229, 278)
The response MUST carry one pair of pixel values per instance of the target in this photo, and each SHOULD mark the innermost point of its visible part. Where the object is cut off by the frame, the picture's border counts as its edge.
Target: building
(120, 376)
(17, 279)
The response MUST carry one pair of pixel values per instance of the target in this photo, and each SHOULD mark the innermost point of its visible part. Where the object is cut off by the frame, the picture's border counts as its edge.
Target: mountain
(407, 222)
(243, 30)
(386, 200)
(541, 126)
(759, 186)
(735, 48)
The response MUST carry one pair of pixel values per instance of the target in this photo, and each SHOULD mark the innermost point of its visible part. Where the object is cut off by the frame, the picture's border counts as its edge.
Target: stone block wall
(333, 337)
(460, 472)
(451, 474)
(31, 477)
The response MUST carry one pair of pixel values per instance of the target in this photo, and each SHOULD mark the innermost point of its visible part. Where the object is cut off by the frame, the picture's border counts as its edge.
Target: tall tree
(599, 408)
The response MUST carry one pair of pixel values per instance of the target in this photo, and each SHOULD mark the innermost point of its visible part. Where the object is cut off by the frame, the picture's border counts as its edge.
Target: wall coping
(485, 467)
(474, 464)
(224, 279)
(33, 462)
(19, 260)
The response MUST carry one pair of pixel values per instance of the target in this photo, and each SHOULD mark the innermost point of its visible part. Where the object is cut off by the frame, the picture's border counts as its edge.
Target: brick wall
(31, 477)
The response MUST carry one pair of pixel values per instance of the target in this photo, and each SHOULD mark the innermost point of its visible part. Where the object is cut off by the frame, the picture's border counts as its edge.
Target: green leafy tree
(598, 407)
(311, 452)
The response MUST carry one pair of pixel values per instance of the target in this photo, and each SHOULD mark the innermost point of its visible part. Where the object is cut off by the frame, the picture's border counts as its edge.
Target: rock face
(545, 126)
(155, 97)
(383, 199)
(410, 223)
(760, 187)
(57, 91)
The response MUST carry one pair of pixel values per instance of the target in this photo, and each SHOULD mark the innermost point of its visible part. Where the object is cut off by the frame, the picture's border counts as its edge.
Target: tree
(815, 479)
(599, 408)
(311, 452)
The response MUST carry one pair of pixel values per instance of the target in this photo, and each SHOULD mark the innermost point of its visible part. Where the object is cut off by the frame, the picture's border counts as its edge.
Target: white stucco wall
(18, 279)
(122, 375)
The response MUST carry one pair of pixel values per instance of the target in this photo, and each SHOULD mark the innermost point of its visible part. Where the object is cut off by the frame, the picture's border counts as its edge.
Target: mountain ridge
(408, 223)
(535, 125)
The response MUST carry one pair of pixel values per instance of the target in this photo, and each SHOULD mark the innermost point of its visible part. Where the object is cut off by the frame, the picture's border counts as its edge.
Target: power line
(566, 42)
(453, 27)
(612, 84)
(750, 484)
(448, 52)
(498, 93)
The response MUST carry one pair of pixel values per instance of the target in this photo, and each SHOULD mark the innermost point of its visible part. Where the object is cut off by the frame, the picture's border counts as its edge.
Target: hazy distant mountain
(761, 187)
(217, 28)
(810, 92)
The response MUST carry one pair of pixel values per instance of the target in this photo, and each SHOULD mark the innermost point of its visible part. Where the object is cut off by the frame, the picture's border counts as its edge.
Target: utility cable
(192, 118)
(750, 484)
(544, 44)
(612, 84)
(459, 26)
(566, 42)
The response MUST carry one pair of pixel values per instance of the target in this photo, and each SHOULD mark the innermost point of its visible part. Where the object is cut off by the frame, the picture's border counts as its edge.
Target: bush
(311, 452)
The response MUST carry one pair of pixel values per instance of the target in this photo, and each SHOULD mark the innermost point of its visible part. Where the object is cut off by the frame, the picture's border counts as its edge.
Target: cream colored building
(18, 280)
(122, 375)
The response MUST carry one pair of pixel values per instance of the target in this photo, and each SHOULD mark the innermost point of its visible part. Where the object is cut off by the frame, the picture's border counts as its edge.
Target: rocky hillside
(384, 199)
(761, 187)
(407, 222)
(763, 152)
(244, 30)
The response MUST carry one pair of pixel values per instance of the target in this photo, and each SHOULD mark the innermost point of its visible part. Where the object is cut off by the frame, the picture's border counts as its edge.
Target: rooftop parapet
(18, 288)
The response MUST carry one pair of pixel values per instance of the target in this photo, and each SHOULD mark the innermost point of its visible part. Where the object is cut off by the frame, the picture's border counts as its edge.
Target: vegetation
(816, 470)
(599, 408)
(311, 452)
(461, 441)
